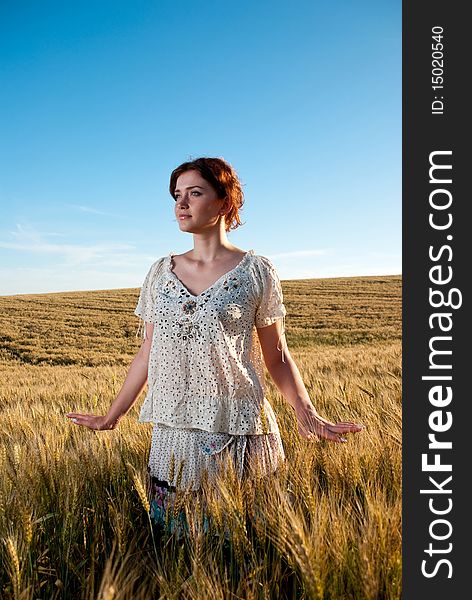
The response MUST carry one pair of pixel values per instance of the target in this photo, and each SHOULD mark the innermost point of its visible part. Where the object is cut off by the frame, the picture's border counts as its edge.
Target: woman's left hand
(311, 425)
(95, 422)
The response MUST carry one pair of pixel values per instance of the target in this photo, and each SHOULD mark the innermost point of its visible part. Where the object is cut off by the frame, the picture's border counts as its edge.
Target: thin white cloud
(394, 255)
(341, 271)
(305, 270)
(73, 254)
(303, 264)
(94, 211)
(28, 239)
(298, 254)
(26, 232)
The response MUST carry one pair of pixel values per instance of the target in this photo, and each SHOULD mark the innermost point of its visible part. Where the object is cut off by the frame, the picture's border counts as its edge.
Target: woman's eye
(177, 196)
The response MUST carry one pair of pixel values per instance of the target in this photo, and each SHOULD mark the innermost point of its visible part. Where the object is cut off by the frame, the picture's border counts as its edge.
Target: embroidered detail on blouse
(231, 284)
(187, 329)
(169, 286)
(189, 307)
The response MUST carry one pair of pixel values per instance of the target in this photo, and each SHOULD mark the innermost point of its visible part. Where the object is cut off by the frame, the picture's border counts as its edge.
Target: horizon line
(139, 287)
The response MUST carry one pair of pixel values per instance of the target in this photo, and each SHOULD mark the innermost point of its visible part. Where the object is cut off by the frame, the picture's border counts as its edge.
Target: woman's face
(197, 206)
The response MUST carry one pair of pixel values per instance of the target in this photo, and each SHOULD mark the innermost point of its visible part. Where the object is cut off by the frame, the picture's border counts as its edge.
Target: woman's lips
(183, 217)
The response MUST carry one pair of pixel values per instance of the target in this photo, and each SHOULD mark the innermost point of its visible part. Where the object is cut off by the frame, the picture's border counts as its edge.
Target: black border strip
(434, 272)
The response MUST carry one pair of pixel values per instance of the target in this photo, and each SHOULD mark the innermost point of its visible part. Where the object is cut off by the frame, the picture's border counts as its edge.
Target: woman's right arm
(130, 391)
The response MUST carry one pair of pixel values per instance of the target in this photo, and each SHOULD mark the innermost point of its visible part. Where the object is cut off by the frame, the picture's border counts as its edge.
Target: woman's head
(223, 179)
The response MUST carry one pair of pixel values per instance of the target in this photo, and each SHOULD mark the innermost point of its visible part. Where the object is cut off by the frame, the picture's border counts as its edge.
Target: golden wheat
(73, 503)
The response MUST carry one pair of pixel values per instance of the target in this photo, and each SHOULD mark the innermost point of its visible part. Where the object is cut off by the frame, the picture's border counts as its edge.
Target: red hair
(222, 177)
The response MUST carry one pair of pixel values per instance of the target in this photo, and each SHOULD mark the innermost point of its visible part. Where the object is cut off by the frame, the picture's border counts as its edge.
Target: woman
(211, 317)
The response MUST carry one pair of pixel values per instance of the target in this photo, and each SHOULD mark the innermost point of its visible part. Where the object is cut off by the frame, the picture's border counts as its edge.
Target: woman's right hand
(130, 390)
(97, 422)
(311, 425)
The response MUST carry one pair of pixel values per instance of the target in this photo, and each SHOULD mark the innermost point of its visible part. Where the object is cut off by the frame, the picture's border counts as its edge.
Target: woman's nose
(183, 200)
(181, 203)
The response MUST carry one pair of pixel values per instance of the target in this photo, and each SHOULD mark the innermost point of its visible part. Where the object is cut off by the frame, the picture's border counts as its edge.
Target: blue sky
(101, 100)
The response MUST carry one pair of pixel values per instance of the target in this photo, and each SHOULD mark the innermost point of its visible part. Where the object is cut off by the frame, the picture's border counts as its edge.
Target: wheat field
(73, 503)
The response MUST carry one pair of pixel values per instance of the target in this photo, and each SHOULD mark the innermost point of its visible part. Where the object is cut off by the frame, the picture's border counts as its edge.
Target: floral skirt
(181, 458)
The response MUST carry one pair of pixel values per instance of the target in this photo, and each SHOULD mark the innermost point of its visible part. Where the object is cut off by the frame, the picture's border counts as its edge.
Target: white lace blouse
(205, 364)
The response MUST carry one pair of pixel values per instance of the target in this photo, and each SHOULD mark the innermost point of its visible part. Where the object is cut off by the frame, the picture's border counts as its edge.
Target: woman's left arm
(287, 378)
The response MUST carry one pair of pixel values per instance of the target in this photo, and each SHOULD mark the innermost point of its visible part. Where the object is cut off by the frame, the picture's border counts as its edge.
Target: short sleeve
(271, 304)
(145, 307)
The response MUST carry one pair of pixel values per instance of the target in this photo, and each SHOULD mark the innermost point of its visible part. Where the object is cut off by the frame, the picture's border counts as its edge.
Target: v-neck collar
(225, 275)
